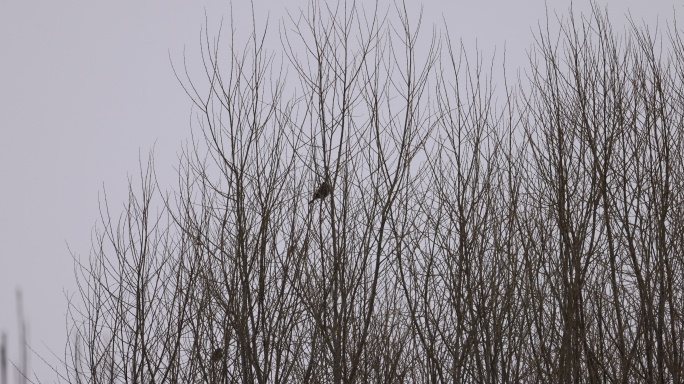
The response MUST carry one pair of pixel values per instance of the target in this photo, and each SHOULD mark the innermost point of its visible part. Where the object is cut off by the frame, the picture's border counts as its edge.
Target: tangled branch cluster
(522, 234)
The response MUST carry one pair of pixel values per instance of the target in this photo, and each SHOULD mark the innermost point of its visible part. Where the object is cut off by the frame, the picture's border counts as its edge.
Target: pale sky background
(86, 87)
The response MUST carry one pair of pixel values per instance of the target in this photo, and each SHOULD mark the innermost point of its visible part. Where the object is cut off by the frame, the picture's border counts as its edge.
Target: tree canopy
(529, 230)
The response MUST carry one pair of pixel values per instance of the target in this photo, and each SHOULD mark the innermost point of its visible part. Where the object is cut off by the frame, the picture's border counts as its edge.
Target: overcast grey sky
(87, 86)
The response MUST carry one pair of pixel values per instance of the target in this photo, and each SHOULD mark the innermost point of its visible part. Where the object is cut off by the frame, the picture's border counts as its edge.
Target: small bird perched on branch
(322, 192)
(217, 355)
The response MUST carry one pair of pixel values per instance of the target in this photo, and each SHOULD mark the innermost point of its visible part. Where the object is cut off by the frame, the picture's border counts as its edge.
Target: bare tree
(367, 205)
(602, 130)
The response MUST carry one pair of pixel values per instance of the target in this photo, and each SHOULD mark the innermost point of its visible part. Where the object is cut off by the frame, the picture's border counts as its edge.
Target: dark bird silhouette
(322, 192)
(217, 355)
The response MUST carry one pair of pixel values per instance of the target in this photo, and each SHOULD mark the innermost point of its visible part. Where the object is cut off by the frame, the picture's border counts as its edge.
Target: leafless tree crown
(477, 232)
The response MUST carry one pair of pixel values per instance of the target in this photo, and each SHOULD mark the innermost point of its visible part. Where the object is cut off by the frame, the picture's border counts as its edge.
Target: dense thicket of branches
(474, 233)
